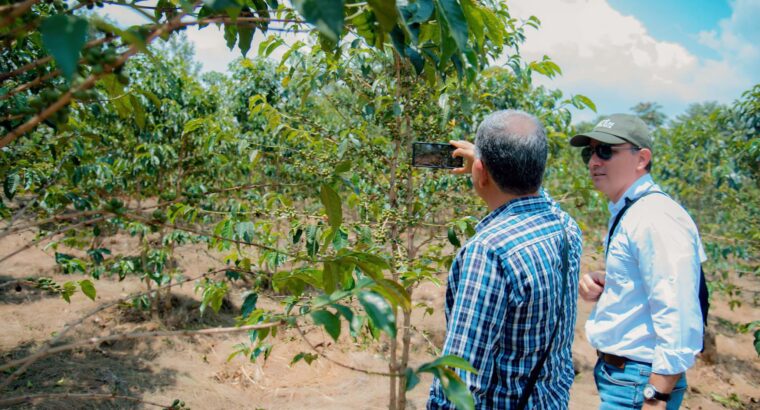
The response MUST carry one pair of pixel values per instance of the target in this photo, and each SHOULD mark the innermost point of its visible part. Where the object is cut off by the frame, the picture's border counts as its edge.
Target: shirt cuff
(673, 361)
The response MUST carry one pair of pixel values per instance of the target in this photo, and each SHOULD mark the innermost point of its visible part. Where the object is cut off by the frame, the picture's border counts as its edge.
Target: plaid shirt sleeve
(477, 295)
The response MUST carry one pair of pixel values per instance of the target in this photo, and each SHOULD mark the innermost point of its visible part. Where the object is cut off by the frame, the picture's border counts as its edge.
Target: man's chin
(599, 185)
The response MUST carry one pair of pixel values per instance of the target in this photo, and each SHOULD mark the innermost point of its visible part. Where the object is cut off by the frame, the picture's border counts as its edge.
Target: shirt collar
(517, 205)
(638, 188)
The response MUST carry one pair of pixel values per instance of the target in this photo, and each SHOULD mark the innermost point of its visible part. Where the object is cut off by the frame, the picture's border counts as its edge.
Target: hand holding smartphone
(435, 155)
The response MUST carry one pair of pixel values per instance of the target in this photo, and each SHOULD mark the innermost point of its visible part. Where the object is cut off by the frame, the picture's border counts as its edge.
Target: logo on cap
(605, 124)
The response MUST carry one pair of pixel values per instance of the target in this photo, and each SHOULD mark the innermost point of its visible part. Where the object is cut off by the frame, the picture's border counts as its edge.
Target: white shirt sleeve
(667, 246)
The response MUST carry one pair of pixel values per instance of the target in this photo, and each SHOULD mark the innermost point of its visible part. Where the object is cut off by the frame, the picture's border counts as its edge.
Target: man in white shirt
(647, 322)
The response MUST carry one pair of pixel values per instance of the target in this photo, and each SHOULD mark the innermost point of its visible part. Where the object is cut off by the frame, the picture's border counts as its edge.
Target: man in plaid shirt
(504, 288)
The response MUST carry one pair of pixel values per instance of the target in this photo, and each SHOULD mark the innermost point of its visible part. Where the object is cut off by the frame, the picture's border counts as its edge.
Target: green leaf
(307, 357)
(249, 304)
(138, 112)
(87, 288)
(326, 15)
(330, 321)
(379, 312)
(69, 288)
(64, 36)
(330, 277)
(411, 378)
(546, 67)
(757, 341)
(457, 392)
(222, 5)
(97, 254)
(343, 166)
(245, 36)
(193, 125)
(230, 35)
(355, 322)
(340, 239)
(385, 12)
(474, 21)
(496, 30)
(393, 292)
(419, 11)
(452, 235)
(451, 12)
(10, 185)
(450, 361)
(312, 240)
(245, 230)
(331, 201)
(585, 101)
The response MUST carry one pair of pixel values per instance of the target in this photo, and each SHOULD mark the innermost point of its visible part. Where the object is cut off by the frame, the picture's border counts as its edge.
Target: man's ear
(645, 156)
(480, 174)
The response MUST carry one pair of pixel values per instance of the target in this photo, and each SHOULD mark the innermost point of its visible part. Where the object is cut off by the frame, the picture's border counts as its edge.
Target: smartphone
(435, 155)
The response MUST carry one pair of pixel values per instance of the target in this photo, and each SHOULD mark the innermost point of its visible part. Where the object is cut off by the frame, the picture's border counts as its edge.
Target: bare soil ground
(196, 370)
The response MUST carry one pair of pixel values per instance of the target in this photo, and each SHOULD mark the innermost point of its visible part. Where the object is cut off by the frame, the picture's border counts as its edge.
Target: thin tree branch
(31, 84)
(345, 366)
(64, 230)
(18, 9)
(210, 235)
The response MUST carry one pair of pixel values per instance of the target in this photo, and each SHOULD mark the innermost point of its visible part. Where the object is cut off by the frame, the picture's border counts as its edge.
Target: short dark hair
(512, 145)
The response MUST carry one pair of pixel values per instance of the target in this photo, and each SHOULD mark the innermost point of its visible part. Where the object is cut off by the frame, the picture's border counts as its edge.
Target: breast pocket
(620, 264)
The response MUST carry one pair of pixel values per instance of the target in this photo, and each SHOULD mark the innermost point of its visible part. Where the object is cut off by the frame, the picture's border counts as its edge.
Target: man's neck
(499, 198)
(619, 195)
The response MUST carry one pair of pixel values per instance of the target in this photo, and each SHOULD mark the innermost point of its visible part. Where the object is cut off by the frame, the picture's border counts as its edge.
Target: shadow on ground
(123, 368)
(17, 294)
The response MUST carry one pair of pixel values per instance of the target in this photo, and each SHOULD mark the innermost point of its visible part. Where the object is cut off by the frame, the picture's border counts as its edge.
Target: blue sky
(679, 21)
(672, 52)
(617, 52)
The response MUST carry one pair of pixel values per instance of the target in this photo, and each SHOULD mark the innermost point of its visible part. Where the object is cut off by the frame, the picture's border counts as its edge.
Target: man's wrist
(652, 394)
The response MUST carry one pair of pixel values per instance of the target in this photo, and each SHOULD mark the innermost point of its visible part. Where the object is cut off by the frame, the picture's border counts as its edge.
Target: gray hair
(512, 145)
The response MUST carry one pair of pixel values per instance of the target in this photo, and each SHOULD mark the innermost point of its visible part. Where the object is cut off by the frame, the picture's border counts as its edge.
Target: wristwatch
(651, 393)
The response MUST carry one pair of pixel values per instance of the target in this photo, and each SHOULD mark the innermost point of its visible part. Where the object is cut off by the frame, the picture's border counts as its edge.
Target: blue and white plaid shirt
(502, 300)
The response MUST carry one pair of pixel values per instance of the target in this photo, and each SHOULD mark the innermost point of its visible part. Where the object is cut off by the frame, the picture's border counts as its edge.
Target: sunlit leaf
(379, 312)
(87, 288)
(451, 12)
(331, 201)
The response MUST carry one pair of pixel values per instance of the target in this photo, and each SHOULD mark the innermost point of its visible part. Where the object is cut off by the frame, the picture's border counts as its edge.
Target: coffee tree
(302, 180)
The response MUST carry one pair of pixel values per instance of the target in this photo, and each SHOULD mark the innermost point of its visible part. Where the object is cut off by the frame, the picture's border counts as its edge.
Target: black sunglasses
(603, 151)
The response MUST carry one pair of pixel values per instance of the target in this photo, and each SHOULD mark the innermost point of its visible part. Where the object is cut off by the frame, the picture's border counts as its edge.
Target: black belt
(612, 360)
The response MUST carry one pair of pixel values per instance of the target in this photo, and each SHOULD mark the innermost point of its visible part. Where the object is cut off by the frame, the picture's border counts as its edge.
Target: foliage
(707, 159)
(298, 170)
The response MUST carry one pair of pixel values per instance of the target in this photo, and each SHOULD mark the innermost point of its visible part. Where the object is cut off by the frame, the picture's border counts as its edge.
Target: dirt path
(196, 369)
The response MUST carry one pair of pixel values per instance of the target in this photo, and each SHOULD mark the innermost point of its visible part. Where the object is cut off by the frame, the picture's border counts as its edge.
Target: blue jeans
(624, 389)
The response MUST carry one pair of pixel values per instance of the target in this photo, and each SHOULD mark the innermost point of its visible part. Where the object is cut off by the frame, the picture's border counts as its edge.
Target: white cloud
(611, 57)
(737, 39)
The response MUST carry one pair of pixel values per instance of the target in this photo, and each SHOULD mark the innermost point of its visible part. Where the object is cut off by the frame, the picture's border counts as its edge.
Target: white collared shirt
(649, 310)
